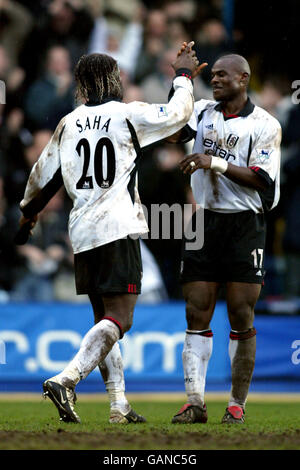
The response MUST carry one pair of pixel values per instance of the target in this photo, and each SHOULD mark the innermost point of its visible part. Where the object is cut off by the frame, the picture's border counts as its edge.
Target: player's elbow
(261, 180)
(261, 184)
(184, 110)
(175, 138)
(188, 110)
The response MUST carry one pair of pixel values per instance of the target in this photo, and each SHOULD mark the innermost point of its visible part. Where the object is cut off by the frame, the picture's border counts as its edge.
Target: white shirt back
(94, 152)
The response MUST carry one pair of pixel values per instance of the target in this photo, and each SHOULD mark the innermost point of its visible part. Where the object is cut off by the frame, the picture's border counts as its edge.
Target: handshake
(186, 59)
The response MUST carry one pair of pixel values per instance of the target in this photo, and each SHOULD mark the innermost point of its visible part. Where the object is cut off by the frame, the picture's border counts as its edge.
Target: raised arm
(154, 122)
(185, 134)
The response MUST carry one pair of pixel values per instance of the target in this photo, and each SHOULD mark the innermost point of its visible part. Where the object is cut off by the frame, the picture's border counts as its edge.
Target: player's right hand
(187, 59)
(29, 222)
(193, 162)
(200, 67)
(25, 229)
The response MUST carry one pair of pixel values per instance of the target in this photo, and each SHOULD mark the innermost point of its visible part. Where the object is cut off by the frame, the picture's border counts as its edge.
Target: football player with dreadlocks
(94, 153)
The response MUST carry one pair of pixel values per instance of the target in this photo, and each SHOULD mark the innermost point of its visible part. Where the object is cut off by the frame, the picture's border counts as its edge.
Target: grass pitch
(34, 425)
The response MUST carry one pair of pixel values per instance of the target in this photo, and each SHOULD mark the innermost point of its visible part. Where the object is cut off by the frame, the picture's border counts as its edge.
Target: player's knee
(98, 317)
(197, 317)
(122, 319)
(127, 326)
(241, 317)
(126, 321)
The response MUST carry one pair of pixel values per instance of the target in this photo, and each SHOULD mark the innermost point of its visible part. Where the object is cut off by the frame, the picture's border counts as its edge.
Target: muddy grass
(64, 440)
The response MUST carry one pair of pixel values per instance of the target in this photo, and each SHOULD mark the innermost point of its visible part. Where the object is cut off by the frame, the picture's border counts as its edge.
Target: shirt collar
(105, 99)
(247, 109)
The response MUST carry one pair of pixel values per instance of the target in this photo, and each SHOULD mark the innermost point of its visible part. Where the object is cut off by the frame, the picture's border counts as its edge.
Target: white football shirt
(250, 139)
(93, 152)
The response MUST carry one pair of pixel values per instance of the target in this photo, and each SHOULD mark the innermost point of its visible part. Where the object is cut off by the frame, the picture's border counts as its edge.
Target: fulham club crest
(231, 141)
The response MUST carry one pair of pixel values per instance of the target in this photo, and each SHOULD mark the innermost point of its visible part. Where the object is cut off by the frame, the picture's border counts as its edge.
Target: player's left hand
(199, 68)
(186, 59)
(193, 162)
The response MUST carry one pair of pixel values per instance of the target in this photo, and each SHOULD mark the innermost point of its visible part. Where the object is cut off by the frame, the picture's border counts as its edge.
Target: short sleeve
(265, 154)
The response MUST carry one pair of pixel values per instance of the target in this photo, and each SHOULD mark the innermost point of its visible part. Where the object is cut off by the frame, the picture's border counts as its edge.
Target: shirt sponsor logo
(209, 126)
(212, 148)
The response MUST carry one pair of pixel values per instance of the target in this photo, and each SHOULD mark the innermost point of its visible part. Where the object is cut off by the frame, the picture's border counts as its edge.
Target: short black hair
(241, 64)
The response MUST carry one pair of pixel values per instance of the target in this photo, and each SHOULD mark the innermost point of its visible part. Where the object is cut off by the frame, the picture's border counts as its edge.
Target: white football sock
(195, 357)
(95, 346)
(112, 372)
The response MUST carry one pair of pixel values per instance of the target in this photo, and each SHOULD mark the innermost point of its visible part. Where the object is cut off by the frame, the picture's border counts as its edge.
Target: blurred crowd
(40, 42)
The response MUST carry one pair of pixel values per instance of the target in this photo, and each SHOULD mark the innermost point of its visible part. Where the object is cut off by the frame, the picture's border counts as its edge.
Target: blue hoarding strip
(40, 339)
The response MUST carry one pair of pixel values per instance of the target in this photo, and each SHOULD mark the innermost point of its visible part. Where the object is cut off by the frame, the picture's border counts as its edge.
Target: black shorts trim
(112, 268)
(233, 250)
(204, 278)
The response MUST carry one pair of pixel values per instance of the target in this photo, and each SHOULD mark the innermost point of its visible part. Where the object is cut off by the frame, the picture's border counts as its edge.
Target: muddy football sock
(195, 357)
(111, 369)
(95, 346)
(242, 350)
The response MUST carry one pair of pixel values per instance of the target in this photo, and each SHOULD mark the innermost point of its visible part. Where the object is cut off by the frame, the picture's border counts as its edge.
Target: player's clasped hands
(186, 58)
(193, 162)
(185, 49)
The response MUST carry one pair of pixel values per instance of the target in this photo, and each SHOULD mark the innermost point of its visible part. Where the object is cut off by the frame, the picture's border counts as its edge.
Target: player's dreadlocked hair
(97, 76)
